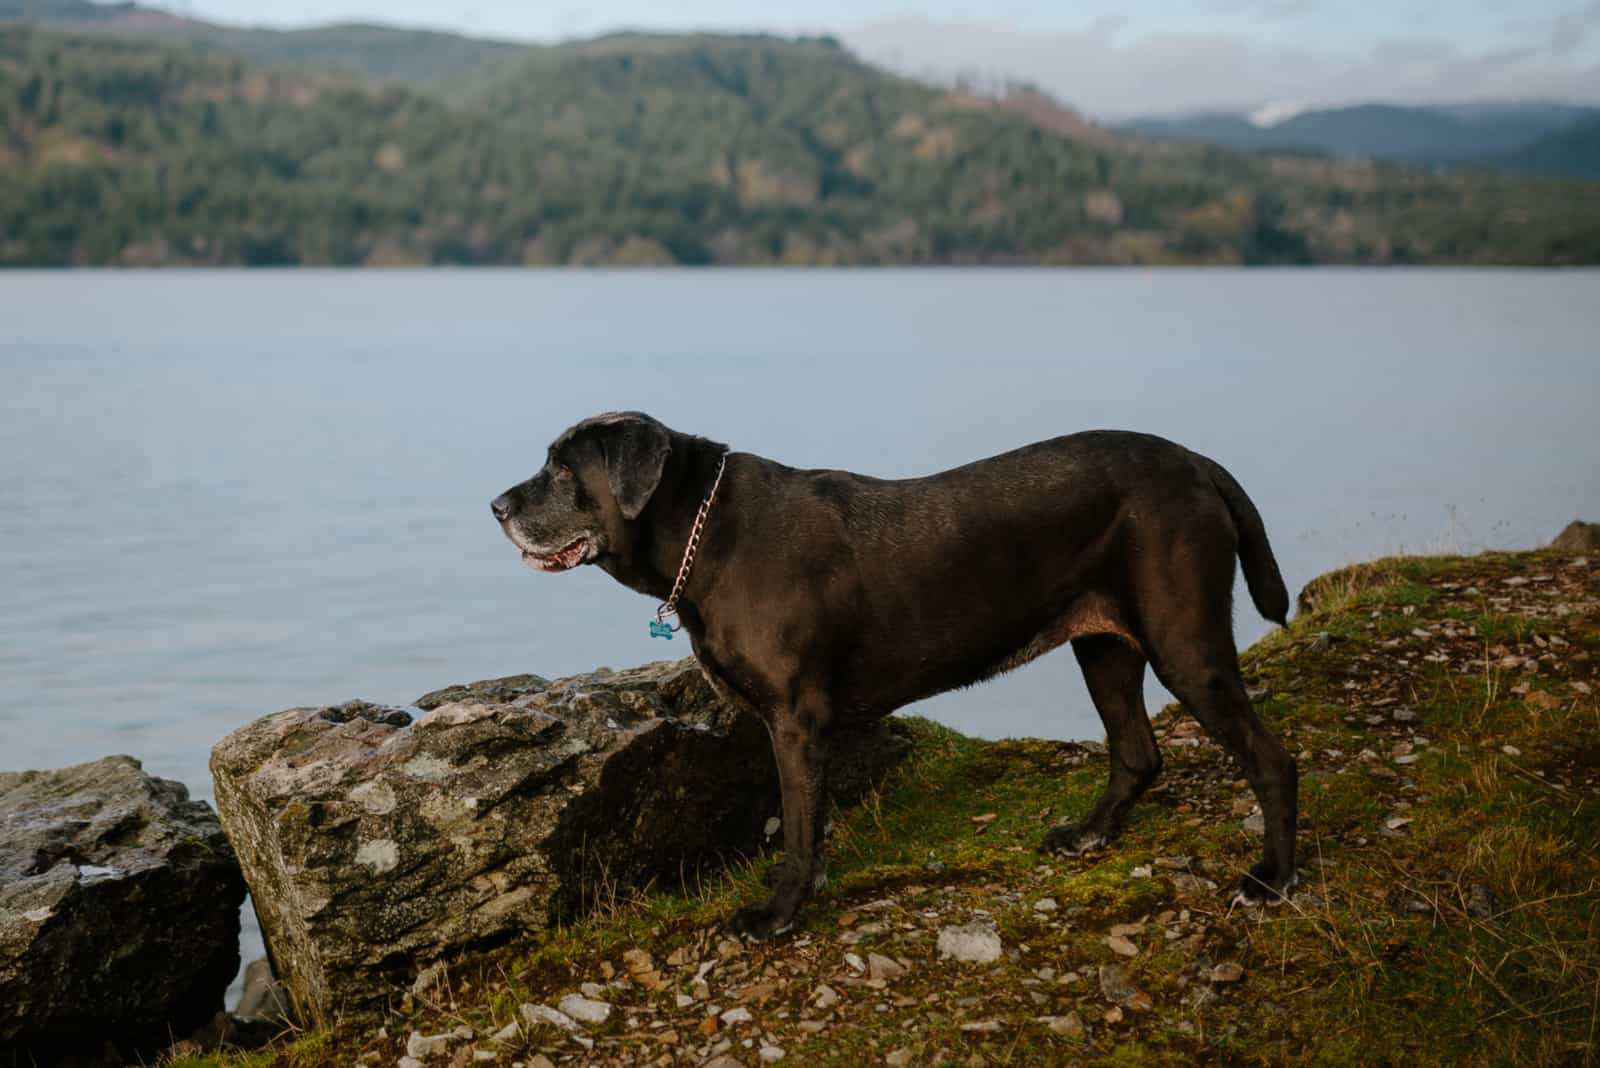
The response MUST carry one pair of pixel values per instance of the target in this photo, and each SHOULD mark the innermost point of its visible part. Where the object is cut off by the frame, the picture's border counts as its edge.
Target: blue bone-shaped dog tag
(659, 629)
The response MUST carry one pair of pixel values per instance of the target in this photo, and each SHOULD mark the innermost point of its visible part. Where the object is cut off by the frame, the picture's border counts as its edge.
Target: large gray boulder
(377, 840)
(119, 909)
(1578, 537)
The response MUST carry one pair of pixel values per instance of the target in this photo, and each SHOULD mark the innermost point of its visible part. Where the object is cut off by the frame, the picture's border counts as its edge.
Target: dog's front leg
(797, 745)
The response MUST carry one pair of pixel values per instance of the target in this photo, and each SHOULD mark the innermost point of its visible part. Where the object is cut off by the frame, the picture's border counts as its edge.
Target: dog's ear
(636, 449)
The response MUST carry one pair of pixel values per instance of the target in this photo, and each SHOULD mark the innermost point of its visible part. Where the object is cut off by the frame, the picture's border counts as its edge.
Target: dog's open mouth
(561, 560)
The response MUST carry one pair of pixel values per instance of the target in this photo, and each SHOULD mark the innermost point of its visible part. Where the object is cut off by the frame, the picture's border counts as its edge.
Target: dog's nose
(501, 507)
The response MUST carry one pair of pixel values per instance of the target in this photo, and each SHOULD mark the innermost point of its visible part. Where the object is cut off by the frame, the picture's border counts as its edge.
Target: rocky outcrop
(119, 909)
(377, 840)
(1578, 537)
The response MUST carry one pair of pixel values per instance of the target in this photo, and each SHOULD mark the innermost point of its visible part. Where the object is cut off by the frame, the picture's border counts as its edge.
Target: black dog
(820, 597)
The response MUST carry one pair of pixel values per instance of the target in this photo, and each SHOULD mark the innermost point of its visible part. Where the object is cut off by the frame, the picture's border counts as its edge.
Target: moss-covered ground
(1445, 715)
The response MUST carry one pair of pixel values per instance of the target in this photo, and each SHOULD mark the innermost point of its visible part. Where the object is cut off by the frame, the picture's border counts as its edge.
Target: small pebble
(1121, 946)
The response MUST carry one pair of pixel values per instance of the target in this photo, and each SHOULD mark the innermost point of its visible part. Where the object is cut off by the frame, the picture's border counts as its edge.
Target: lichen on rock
(378, 840)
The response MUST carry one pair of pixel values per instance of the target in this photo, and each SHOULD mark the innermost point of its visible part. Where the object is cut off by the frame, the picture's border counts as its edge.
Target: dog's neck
(662, 530)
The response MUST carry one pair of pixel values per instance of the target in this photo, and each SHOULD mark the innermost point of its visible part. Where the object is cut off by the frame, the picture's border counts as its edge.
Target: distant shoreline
(178, 145)
(886, 268)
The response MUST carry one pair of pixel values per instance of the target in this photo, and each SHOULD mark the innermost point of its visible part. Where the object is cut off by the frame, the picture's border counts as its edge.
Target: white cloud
(1277, 112)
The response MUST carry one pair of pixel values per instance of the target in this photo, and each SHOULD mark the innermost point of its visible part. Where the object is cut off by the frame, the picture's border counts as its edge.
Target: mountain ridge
(121, 148)
(1490, 136)
(421, 57)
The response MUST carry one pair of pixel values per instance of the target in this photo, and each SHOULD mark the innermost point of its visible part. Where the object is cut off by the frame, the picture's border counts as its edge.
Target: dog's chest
(733, 687)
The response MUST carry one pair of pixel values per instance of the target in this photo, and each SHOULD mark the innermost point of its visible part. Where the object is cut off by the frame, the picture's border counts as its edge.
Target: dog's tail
(1261, 573)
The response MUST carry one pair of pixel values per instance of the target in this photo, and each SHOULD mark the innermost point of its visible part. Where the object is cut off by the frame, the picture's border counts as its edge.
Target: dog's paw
(1261, 886)
(1073, 839)
(758, 923)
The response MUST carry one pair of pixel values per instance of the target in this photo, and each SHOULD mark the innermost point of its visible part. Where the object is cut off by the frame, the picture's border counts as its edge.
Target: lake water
(227, 493)
(222, 494)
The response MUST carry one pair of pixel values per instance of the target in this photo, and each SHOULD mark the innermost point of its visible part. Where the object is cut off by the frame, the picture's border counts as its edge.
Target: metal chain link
(670, 606)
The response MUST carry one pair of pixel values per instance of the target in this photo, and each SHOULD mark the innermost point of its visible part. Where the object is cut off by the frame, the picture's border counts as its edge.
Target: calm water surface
(226, 493)
(222, 494)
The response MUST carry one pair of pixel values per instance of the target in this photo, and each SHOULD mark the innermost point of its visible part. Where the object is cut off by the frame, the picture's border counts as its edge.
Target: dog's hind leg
(1196, 660)
(1114, 670)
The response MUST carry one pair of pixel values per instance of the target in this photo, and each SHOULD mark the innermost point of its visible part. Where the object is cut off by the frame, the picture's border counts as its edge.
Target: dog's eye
(563, 471)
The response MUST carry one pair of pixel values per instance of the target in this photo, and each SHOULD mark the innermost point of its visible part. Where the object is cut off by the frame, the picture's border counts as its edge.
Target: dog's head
(597, 478)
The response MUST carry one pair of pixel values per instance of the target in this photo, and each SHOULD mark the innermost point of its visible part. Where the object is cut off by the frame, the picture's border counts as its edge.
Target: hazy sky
(1111, 59)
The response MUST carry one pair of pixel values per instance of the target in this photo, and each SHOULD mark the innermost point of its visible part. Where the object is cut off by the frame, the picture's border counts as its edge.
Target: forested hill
(417, 57)
(139, 149)
(1574, 150)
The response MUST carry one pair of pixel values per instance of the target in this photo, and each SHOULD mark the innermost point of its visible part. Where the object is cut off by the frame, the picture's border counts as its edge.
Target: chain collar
(669, 608)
